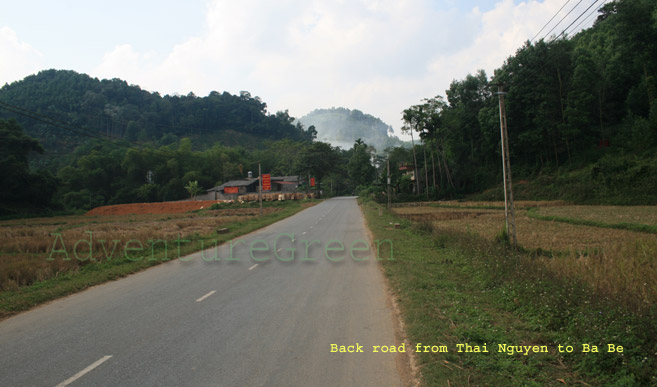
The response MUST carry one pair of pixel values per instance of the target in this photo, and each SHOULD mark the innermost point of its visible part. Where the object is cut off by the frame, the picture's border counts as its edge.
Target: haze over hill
(341, 127)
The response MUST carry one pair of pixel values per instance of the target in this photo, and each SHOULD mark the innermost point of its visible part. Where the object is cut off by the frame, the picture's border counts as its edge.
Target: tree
(360, 170)
(18, 185)
(193, 189)
(318, 159)
(311, 133)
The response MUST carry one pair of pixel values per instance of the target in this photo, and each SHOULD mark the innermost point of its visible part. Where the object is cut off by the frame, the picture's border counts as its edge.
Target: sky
(378, 56)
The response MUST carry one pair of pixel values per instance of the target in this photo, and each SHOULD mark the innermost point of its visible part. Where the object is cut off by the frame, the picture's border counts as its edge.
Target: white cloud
(123, 62)
(380, 56)
(504, 29)
(19, 59)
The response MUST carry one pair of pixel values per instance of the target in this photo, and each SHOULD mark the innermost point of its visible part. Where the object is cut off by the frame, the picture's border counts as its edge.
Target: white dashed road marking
(206, 296)
(84, 371)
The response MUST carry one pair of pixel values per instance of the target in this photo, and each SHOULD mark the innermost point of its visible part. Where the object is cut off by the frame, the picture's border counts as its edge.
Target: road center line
(253, 267)
(84, 371)
(206, 296)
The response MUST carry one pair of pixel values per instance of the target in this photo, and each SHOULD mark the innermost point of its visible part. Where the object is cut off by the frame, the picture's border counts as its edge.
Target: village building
(232, 189)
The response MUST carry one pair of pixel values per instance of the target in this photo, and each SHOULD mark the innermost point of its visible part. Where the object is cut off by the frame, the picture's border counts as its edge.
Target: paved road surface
(220, 323)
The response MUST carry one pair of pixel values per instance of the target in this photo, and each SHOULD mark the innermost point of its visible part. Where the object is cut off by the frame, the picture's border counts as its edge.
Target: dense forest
(93, 108)
(104, 172)
(581, 113)
(342, 127)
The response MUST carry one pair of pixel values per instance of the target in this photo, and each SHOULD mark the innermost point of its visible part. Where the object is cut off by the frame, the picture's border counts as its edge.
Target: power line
(549, 21)
(566, 33)
(562, 19)
(48, 120)
(78, 130)
(594, 12)
(546, 24)
(580, 15)
(536, 70)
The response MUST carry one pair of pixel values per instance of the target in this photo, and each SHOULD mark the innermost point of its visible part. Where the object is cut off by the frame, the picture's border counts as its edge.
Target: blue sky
(379, 56)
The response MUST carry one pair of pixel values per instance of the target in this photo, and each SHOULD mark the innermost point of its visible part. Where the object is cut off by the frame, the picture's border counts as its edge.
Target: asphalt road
(256, 320)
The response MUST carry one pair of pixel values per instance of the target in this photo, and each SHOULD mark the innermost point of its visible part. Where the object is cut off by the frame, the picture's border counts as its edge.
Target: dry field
(519, 203)
(532, 233)
(26, 244)
(606, 214)
(616, 261)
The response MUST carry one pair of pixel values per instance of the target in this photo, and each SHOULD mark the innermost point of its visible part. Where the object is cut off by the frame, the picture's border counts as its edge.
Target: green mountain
(341, 127)
(88, 108)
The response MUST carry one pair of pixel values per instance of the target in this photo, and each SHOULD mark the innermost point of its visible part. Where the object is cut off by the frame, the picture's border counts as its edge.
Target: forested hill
(581, 113)
(341, 127)
(114, 109)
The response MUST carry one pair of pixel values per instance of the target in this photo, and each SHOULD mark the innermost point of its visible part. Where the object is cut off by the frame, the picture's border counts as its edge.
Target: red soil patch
(152, 208)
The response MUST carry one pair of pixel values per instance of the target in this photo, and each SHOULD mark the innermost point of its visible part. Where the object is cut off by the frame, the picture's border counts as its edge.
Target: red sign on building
(266, 182)
(312, 181)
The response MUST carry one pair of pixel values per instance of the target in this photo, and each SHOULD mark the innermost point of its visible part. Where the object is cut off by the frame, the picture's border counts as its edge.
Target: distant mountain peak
(342, 127)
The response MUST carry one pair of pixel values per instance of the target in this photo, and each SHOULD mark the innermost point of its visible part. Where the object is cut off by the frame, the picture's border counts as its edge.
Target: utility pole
(426, 171)
(433, 167)
(416, 176)
(388, 181)
(260, 187)
(509, 209)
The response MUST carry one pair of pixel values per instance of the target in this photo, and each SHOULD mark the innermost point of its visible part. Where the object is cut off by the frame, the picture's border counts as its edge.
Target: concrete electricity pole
(260, 187)
(416, 176)
(509, 209)
(388, 182)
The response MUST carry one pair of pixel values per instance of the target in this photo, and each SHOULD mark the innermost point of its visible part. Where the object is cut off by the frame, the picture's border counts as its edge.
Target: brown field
(532, 233)
(189, 205)
(606, 214)
(456, 203)
(518, 203)
(620, 262)
(26, 244)
(152, 208)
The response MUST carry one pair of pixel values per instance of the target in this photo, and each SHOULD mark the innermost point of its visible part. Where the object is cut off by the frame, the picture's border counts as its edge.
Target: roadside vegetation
(459, 284)
(39, 259)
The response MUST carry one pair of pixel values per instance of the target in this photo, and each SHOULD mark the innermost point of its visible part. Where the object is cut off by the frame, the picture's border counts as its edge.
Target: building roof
(247, 182)
(234, 183)
(291, 179)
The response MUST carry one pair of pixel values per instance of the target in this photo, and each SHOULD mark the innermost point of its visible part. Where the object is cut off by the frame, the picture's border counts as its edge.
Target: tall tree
(360, 169)
(19, 186)
(318, 159)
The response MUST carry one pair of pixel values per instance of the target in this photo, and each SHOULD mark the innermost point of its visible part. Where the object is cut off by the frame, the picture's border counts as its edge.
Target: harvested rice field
(535, 233)
(646, 215)
(28, 247)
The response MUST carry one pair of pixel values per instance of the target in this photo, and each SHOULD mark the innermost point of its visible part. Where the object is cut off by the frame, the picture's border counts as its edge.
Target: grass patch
(29, 279)
(615, 179)
(455, 287)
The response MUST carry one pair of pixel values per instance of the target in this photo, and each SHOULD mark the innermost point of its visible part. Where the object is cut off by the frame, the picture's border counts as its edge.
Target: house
(284, 183)
(234, 188)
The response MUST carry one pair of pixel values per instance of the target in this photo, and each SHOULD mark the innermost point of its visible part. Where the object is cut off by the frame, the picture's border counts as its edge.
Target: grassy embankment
(31, 273)
(615, 179)
(456, 286)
